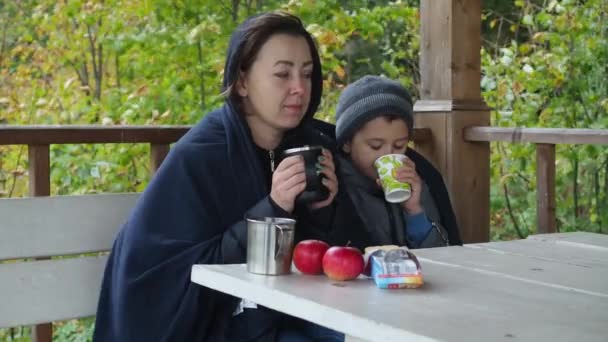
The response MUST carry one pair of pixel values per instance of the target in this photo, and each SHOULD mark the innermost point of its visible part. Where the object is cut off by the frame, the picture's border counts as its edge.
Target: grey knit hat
(368, 98)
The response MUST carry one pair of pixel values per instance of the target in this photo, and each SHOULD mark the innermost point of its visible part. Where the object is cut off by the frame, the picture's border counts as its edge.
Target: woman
(220, 172)
(374, 118)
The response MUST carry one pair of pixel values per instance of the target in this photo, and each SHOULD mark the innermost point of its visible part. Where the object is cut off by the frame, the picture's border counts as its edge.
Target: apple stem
(348, 243)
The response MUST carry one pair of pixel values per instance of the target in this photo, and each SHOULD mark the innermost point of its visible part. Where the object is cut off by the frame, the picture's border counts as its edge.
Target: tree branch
(202, 72)
(507, 199)
(235, 10)
(3, 43)
(10, 193)
(249, 6)
(498, 35)
(117, 65)
(99, 78)
(510, 210)
(83, 76)
(93, 52)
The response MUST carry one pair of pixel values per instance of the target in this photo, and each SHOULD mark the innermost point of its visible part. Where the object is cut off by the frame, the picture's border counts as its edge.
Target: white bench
(55, 289)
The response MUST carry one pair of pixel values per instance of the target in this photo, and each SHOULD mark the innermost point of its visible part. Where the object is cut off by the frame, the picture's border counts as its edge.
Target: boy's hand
(327, 168)
(407, 174)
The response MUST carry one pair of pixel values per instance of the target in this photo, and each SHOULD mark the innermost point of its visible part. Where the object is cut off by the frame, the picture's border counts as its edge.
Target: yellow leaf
(142, 90)
(327, 38)
(517, 87)
(339, 71)
(539, 37)
(525, 49)
(69, 82)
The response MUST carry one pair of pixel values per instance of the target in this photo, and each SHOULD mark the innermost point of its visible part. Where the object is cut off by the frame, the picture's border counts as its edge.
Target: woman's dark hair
(254, 33)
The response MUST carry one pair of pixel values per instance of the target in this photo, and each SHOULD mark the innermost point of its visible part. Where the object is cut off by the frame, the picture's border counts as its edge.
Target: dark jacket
(362, 218)
(346, 223)
(192, 212)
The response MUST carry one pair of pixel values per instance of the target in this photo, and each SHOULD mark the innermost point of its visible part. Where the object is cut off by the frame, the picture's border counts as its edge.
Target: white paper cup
(394, 191)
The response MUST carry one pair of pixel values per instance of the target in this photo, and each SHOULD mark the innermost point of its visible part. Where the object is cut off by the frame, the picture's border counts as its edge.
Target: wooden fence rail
(545, 140)
(39, 138)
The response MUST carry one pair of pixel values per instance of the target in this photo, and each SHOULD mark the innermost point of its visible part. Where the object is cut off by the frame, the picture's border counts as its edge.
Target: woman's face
(380, 136)
(276, 89)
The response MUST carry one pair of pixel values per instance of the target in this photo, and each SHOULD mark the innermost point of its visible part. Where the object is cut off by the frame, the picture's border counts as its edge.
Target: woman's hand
(330, 181)
(288, 181)
(407, 174)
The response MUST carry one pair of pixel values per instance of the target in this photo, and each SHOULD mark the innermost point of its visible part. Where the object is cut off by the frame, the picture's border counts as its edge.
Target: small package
(393, 267)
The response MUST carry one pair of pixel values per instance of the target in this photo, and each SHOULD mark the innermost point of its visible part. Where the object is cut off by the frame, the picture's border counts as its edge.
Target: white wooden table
(544, 288)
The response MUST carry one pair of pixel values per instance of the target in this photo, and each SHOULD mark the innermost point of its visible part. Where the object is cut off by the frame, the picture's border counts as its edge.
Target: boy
(373, 118)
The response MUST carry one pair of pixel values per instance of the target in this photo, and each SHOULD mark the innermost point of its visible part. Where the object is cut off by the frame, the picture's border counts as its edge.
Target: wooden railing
(39, 138)
(545, 140)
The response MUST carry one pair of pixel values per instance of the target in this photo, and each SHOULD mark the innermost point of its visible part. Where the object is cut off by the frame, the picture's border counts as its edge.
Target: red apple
(308, 256)
(343, 263)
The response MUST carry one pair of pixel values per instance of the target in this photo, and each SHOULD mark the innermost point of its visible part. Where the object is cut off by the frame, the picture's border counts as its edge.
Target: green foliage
(20, 334)
(556, 78)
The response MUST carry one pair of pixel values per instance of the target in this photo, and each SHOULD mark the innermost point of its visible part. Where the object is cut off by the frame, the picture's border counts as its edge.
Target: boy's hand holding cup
(399, 181)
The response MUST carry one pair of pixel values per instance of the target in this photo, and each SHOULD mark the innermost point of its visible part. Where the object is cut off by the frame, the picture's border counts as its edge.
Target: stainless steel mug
(270, 245)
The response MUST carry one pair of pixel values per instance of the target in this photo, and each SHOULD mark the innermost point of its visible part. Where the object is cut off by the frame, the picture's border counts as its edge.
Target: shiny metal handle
(279, 243)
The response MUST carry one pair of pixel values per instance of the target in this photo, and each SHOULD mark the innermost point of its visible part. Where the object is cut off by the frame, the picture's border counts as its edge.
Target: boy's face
(380, 136)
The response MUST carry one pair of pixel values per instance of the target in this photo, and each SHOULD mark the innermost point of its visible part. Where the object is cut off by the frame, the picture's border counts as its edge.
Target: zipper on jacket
(271, 155)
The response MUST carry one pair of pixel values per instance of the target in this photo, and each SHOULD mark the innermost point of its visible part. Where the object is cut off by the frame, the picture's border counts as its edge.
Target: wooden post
(158, 152)
(40, 185)
(39, 170)
(545, 189)
(450, 69)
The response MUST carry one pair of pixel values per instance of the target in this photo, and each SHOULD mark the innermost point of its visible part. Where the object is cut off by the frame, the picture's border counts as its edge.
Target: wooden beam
(40, 185)
(42, 332)
(554, 136)
(158, 152)
(450, 43)
(46, 135)
(545, 189)
(39, 170)
(450, 69)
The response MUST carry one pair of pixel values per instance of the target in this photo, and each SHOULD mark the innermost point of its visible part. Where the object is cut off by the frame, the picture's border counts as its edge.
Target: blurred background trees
(161, 62)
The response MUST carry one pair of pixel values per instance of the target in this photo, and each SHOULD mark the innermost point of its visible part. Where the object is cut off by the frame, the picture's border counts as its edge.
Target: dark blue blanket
(193, 211)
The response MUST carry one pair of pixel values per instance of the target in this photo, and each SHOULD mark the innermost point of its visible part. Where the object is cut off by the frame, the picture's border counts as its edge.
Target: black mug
(315, 190)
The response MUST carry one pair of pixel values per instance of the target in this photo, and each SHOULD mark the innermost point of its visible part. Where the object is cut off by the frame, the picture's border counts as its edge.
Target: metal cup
(270, 245)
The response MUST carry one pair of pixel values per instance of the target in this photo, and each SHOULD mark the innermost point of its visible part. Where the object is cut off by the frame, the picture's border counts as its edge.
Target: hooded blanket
(192, 212)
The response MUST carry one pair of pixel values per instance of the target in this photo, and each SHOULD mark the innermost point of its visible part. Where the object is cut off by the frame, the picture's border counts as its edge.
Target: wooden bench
(57, 287)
